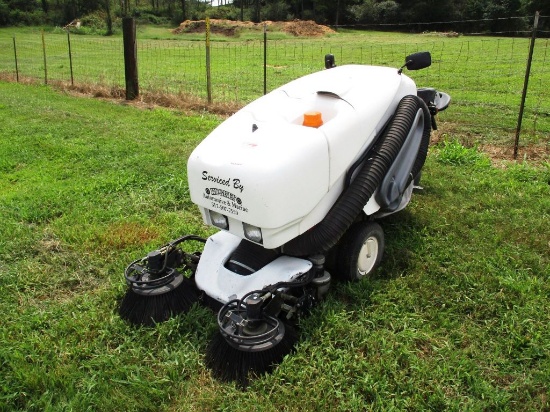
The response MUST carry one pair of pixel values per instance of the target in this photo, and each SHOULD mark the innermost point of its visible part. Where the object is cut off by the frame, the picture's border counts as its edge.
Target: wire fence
(484, 75)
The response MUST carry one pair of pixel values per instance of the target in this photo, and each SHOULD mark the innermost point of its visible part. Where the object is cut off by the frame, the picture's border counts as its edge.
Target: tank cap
(313, 119)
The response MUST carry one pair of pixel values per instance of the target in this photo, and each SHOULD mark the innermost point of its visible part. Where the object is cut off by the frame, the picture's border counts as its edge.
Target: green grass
(456, 318)
(484, 75)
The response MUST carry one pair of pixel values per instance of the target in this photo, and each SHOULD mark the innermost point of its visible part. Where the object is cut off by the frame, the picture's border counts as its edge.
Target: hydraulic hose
(323, 236)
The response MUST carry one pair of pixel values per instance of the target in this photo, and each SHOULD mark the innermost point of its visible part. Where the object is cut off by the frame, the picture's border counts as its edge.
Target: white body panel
(262, 167)
(223, 285)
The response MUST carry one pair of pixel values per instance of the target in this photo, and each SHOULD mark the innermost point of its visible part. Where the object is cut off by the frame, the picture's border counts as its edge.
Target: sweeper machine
(296, 181)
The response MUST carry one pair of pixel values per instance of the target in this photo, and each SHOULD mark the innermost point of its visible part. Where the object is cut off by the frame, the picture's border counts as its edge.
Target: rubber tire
(360, 239)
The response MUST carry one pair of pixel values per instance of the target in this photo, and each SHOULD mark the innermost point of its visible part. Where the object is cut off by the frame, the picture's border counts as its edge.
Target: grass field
(484, 75)
(456, 318)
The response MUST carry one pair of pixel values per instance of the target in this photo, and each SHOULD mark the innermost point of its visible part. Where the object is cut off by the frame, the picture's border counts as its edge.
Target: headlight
(219, 220)
(252, 233)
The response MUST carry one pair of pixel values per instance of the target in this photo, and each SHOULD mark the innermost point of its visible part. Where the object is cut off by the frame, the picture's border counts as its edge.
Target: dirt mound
(305, 28)
(224, 27)
(441, 34)
(302, 28)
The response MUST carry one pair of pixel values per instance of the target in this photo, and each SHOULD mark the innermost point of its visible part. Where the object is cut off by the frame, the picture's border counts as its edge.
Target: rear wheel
(360, 251)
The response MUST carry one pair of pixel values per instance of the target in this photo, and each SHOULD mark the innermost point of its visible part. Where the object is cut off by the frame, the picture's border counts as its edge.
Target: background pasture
(484, 75)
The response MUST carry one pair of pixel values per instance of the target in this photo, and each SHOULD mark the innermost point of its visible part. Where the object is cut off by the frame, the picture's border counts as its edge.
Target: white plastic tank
(263, 167)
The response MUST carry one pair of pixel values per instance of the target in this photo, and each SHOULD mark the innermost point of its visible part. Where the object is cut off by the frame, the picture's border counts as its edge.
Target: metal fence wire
(484, 75)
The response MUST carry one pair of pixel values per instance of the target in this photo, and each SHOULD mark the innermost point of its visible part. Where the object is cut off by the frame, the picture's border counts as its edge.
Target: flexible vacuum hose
(323, 236)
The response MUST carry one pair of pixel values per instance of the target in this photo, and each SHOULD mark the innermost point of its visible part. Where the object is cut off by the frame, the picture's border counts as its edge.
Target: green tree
(278, 10)
(107, 7)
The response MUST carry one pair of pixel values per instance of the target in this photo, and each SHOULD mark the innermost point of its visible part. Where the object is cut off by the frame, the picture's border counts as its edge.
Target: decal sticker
(224, 201)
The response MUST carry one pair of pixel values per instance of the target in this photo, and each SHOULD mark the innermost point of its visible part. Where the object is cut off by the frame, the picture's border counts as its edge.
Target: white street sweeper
(295, 179)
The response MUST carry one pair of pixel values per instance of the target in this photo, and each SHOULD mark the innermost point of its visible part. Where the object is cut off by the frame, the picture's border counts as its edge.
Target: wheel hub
(367, 256)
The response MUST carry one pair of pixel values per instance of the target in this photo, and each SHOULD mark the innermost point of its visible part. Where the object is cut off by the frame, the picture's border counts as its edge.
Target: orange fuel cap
(313, 119)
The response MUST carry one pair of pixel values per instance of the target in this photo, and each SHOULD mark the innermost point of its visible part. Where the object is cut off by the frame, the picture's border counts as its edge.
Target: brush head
(231, 364)
(145, 309)
(156, 290)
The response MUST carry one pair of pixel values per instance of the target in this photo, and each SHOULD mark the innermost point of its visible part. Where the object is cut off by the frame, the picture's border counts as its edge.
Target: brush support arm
(435, 100)
(253, 324)
(157, 272)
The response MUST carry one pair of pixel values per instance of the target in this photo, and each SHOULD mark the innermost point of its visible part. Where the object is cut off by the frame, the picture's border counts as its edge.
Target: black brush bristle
(230, 364)
(148, 310)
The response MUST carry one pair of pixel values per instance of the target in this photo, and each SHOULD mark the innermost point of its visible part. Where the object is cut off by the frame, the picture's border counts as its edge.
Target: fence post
(70, 56)
(44, 52)
(526, 83)
(208, 76)
(130, 57)
(265, 59)
(16, 66)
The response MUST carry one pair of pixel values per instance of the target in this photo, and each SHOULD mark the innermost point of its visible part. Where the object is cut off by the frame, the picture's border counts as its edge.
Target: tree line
(485, 15)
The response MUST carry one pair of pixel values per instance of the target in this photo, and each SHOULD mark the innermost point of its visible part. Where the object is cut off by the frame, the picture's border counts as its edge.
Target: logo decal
(224, 201)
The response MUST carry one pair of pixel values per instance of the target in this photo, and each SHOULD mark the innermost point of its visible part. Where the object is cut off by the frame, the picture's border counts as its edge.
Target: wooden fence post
(208, 75)
(265, 59)
(130, 58)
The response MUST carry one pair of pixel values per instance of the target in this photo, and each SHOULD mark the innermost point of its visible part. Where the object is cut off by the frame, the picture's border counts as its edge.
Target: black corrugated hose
(323, 236)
